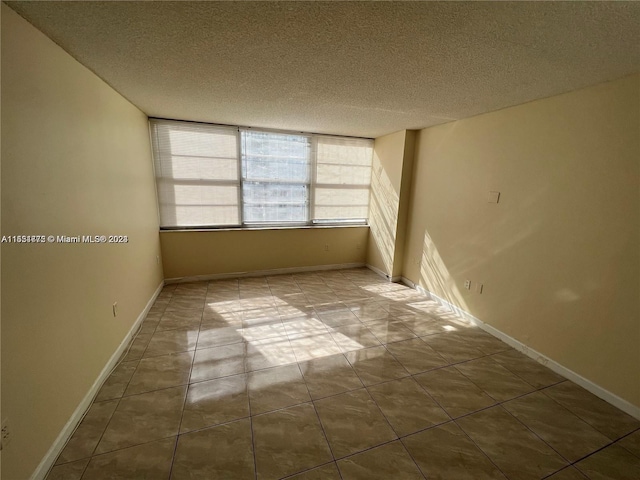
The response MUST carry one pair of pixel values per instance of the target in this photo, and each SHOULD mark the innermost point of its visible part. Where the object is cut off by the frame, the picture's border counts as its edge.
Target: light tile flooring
(336, 375)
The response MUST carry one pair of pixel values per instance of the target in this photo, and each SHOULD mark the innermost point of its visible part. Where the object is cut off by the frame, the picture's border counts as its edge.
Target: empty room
(320, 240)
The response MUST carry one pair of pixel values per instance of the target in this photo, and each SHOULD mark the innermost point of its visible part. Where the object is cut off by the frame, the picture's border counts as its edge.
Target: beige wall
(559, 254)
(75, 161)
(404, 202)
(384, 207)
(191, 253)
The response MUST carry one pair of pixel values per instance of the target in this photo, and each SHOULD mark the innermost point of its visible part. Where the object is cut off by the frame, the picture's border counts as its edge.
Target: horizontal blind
(342, 180)
(197, 174)
(218, 176)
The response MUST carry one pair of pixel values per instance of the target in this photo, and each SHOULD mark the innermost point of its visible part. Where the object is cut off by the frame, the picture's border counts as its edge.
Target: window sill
(270, 227)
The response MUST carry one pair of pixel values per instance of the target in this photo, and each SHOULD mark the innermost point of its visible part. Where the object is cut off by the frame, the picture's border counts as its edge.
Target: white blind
(217, 176)
(196, 167)
(342, 180)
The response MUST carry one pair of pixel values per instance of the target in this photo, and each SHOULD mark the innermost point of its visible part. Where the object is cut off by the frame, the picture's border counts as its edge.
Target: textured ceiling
(350, 68)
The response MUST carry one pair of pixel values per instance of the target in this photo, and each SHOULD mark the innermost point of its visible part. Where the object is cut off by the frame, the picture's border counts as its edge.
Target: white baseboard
(585, 383)
(261, 273)
(68, 429)
(379, 272)
(397, 278)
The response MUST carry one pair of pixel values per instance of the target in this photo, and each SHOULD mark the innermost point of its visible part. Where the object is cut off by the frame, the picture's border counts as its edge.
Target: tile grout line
(569, 462)
(119, 400)
(333, 462)
(324, 433)
(226, 422)
(478, 446)
(451, 420)
(398, 437)
(129, 382)
(454, 420)
(121, 360)
(635, 431)
(93, 402)
(366, 387)
(588, 422)
(186, 391)
(253, 441)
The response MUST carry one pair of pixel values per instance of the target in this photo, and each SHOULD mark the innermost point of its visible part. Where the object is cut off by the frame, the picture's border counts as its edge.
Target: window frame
(339, 186)
(308, 184)
(311, 222)
(155, 144)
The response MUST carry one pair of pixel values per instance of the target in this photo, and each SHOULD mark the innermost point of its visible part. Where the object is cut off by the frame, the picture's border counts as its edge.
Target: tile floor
(336, 375)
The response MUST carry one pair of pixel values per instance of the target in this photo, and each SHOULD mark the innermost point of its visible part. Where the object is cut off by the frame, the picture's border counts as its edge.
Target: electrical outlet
(326, 247)
(5, 435)
(115, 309)
(467, 284)
(158, 259)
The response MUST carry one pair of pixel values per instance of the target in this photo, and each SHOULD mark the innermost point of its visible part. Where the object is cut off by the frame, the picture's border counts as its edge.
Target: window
(216, 176)
(197, 174)
(275, 177)
(342, 179)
